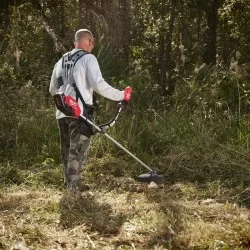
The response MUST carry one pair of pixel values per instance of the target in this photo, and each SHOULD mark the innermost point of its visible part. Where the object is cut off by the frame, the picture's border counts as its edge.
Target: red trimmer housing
(67, 105)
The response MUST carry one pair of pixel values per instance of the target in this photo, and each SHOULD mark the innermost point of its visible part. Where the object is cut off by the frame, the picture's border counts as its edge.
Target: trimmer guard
(150, 177)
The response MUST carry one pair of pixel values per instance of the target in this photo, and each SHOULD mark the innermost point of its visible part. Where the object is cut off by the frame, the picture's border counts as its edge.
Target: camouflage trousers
(74, 150)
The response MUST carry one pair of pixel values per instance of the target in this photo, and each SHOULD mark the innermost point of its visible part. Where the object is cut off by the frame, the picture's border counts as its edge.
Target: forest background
(188, 62)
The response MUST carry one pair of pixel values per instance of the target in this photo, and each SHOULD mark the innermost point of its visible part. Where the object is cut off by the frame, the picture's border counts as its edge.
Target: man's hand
(127, 94)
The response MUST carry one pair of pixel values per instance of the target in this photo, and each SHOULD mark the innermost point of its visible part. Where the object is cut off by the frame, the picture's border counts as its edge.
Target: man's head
(84, 40)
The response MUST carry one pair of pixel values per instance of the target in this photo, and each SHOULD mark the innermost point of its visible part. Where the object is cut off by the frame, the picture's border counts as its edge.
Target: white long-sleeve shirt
(88, 78)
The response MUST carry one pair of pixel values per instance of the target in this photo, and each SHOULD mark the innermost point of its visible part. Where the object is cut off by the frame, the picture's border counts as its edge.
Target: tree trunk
(63, 30)
(162, 60)
(170, 82)
(5, 21)
(211, 33)
(165, 52)
(125, 28)
(81, 14)
(199, 36)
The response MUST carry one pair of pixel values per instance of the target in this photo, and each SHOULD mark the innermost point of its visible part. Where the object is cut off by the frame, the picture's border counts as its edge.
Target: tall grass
(187, 142)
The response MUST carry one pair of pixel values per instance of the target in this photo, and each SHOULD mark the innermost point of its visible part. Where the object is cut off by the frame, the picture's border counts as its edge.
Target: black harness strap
(68, 63)
(69, 70)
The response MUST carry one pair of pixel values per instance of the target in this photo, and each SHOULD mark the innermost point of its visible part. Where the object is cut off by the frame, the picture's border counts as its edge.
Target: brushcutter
(69, 106)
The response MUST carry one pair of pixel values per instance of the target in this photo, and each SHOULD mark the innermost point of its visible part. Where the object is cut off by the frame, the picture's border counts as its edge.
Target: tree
(211, 32)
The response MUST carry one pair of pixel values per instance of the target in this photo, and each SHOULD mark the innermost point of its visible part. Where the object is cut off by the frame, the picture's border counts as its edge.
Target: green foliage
(235, 17)
(200, 133)
(25, 116)
(108, 60)
(216, 91)
(198, 137)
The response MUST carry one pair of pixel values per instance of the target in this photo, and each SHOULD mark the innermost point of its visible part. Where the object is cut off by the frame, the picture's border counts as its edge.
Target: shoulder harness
(68, 63)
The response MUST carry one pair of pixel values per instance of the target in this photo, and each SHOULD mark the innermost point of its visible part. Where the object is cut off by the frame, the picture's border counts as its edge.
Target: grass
(203, 203)
(123, 214)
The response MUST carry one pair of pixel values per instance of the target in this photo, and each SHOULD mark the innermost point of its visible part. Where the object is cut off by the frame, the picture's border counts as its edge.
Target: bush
(187, 136)
(28, 129)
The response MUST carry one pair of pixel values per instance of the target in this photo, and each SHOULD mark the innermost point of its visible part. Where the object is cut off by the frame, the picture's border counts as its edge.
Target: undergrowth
(201, 147)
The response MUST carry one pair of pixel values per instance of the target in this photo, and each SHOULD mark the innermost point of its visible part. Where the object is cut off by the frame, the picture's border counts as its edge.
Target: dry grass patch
(179, 216)
(212, 225)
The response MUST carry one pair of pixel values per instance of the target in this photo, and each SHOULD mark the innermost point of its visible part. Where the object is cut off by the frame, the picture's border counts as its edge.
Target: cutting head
(150, 177)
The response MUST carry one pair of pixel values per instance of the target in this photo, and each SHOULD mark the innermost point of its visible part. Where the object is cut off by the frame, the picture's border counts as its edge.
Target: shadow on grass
(84, 209)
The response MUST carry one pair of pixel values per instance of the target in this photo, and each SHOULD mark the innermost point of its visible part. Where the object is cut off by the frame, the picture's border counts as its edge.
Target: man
(86, 75)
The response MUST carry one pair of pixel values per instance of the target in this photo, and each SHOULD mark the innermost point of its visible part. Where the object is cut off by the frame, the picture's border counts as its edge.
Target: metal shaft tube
(116, 143)
(128, 152)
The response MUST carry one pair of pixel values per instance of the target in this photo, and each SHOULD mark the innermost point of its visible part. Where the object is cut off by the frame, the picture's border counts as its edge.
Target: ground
(124, 215)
